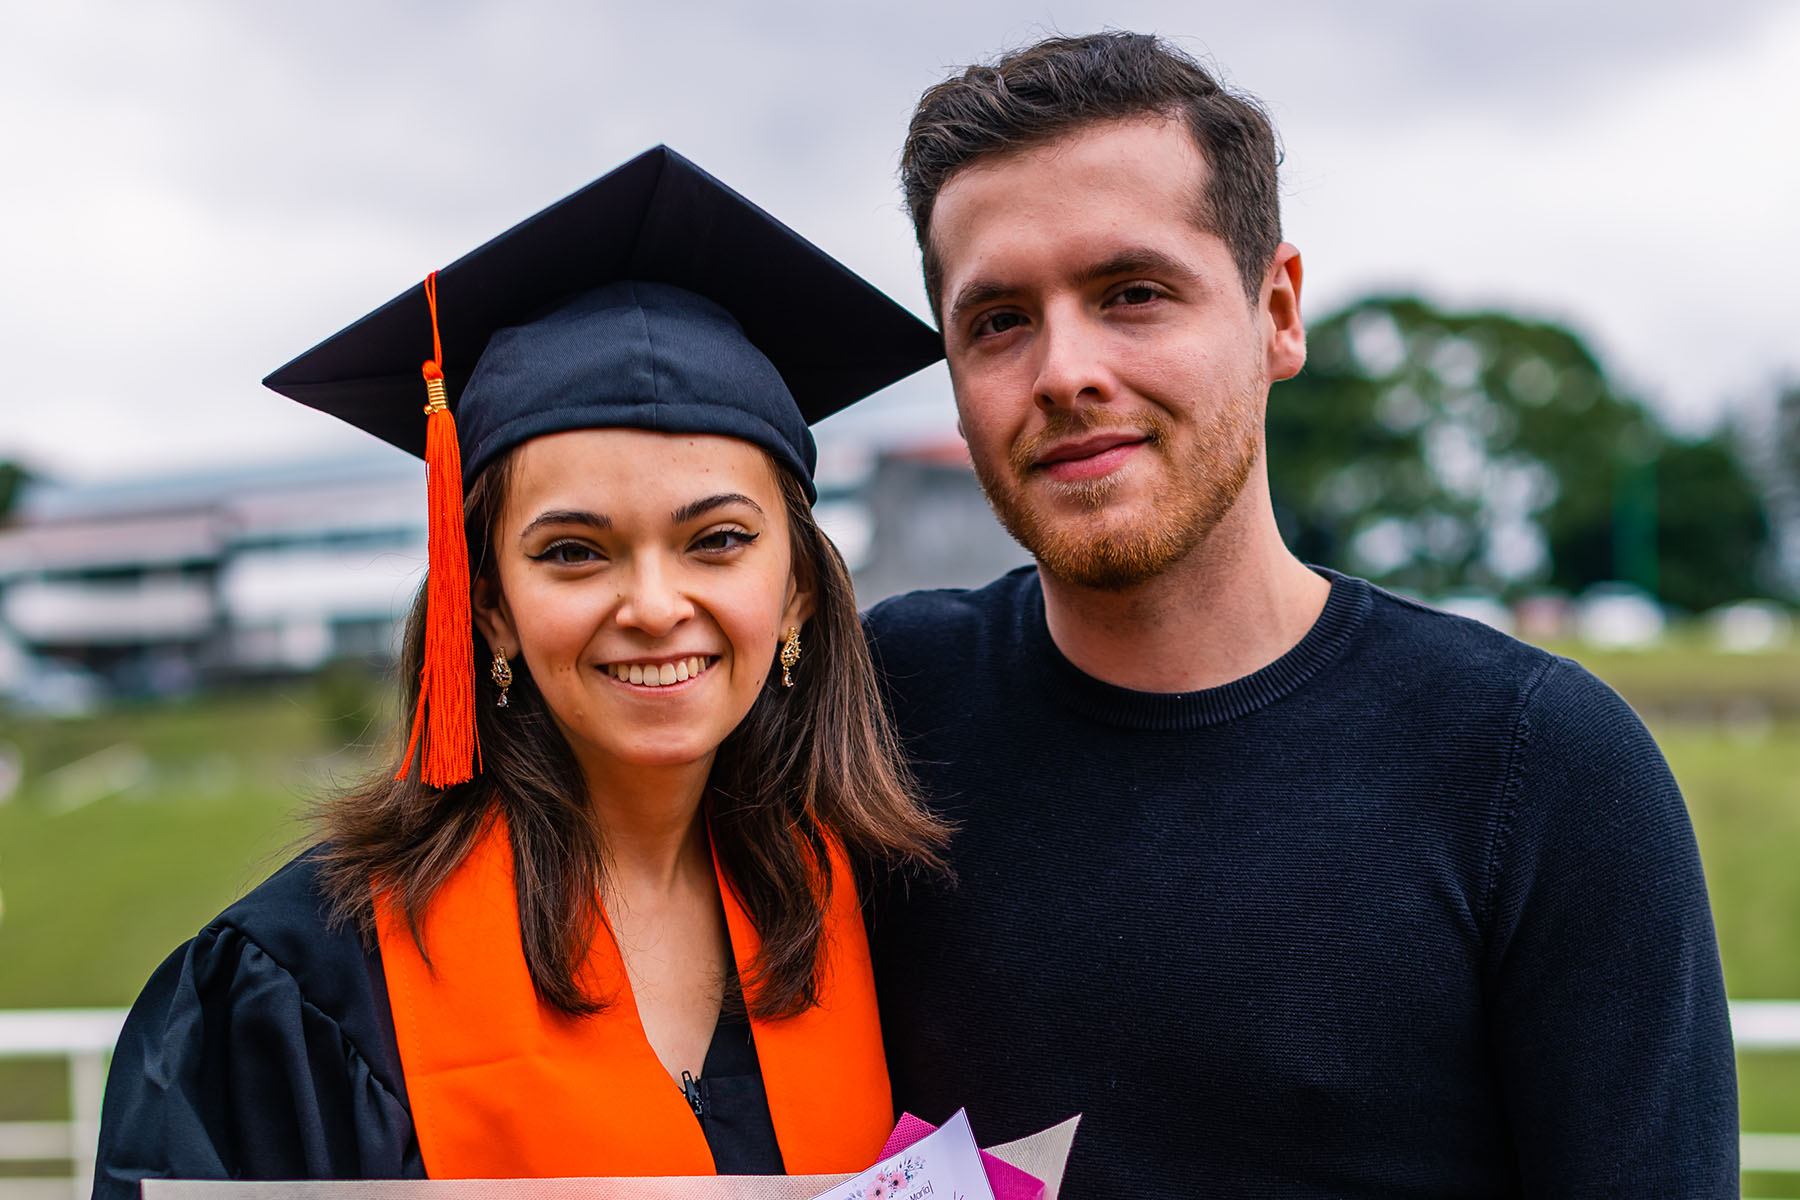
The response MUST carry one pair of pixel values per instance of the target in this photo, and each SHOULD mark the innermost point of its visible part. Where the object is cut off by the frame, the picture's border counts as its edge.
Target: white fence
(1767, 1025)
(83, 1038)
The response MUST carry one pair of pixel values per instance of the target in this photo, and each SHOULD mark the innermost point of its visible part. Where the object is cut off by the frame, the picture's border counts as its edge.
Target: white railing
(84, 1038)
(1767, 1025)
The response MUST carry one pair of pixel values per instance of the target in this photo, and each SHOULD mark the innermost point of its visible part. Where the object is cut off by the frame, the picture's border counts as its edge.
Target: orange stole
(504, 1087)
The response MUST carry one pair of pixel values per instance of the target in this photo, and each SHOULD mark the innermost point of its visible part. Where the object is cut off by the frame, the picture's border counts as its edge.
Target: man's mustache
(1063, 425)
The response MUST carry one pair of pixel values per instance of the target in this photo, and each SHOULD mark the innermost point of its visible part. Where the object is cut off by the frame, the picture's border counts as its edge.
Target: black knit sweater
(1414, 911)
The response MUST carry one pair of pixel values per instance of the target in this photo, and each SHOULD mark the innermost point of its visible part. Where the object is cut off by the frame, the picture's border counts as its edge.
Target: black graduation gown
(264, 1049)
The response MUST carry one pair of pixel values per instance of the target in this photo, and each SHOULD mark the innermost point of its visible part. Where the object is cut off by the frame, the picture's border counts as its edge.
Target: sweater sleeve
(1610, 1032)
(225, 1070)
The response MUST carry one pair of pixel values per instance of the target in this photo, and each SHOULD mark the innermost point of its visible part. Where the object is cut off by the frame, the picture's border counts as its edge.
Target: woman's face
(646, 579)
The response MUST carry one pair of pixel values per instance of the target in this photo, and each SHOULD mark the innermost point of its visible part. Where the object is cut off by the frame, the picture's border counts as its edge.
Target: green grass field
(131, 829)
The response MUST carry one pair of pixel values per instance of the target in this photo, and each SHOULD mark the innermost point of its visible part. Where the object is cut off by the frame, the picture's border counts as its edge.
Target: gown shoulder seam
(350, 1044)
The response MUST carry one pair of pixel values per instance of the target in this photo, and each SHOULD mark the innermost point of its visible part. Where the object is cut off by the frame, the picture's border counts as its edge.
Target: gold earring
(501, 672)
(790, 656)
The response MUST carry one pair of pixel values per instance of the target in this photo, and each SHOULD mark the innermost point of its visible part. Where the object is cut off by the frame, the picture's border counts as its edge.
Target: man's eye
(1137, 293)
(998, 322)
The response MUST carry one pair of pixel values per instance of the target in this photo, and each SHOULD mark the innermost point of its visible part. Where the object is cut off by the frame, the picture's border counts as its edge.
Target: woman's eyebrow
(567, 517)
(699, 508)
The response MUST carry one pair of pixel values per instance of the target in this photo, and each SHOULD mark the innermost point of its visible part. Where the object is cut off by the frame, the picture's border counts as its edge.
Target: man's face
(1110, 372)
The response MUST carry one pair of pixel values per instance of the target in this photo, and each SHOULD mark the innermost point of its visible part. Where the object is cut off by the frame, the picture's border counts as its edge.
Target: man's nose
(1072, 363)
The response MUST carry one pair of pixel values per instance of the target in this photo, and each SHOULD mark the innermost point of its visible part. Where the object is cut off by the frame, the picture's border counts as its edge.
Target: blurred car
(1750, 626)
(1619, 616)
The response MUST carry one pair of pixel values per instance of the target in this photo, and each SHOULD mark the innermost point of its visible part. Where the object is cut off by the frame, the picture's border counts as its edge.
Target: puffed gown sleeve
(262, 1049)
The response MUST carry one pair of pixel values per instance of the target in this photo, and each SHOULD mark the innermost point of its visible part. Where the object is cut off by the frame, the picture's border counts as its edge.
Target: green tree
(1787, 430)
(1435, 451)
(1711, 528)
(13, 478)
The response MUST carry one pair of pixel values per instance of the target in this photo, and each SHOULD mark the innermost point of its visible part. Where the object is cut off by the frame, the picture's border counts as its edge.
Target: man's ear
(493, 618)
(1284, 329)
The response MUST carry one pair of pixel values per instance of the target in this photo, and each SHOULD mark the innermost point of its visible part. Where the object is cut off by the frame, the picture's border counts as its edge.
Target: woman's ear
(492, 616)
(799, 607)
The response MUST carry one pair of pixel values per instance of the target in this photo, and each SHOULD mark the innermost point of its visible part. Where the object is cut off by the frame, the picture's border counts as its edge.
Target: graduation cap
(654, 298)
(830, 335)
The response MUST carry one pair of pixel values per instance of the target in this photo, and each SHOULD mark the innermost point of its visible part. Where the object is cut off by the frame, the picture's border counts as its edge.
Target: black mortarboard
(654, 298)
(577, 354)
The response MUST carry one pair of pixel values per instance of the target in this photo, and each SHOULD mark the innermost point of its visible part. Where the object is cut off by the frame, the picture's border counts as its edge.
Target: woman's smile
(660, 674)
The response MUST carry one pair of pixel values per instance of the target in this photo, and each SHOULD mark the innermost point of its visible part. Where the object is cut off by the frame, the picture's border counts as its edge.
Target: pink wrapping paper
(1008, 1182)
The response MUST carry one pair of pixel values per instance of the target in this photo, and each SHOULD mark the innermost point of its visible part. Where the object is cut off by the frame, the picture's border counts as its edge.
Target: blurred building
(930, 526)
(159, 586)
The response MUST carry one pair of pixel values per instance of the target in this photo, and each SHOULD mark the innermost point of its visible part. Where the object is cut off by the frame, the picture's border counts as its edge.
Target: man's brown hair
(1061, 84)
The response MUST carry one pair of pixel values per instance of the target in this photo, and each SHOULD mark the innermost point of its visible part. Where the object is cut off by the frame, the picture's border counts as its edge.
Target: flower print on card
(944, 1165)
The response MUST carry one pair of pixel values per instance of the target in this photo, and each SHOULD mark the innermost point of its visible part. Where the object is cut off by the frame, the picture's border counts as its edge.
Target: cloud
(1654, 216)
(197, 191)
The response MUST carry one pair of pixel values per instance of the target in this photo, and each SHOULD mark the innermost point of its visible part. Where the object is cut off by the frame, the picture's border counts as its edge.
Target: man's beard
(1203, 488)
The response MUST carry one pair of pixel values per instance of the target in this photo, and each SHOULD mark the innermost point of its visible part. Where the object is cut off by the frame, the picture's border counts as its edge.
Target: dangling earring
(790, 656)
(501, 672)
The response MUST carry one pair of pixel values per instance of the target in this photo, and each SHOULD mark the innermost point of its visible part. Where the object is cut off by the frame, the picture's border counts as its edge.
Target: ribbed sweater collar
(1345, 608)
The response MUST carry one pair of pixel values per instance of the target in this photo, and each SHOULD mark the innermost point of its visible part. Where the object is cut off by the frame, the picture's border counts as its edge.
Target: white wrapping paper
(1042, 1154)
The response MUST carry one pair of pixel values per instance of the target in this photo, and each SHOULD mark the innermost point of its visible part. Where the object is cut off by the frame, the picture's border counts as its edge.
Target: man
(1293, 887)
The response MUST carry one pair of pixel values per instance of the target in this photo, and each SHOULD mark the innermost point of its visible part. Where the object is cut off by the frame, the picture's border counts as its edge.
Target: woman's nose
(652, 601)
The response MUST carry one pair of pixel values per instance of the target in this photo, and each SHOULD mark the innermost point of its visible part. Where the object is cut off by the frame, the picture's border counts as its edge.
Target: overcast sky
(191, 193)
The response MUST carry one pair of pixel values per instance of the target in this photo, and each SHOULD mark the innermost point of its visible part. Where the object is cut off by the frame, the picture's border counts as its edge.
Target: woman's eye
(719, 540)
(567, 554)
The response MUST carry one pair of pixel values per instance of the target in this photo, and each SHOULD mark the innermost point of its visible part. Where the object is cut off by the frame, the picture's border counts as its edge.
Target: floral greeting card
(945, 1165)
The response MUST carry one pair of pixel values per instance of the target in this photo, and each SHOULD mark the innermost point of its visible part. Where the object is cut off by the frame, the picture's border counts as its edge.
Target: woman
(628, 941)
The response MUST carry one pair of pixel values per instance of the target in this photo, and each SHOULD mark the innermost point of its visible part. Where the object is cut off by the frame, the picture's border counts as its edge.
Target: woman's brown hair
(809, 765)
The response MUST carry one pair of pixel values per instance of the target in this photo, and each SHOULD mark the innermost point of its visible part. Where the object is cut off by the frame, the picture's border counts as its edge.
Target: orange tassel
(443, 729)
